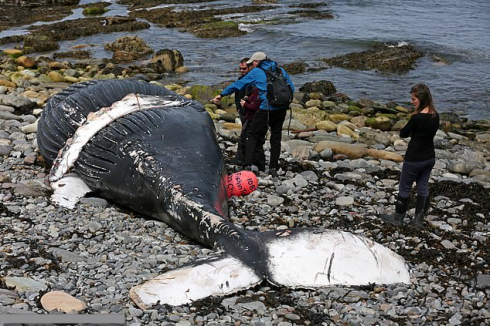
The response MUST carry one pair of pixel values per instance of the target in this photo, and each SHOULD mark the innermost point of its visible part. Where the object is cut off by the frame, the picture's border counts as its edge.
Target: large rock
(371, 137)
(166, 60)
(347, 129)
(323, 86)
(131, 46)
(309, 117)
(326, 125)
(381, 123)
(384, 155)
(383, 58)
(39, 43)
(353, 151)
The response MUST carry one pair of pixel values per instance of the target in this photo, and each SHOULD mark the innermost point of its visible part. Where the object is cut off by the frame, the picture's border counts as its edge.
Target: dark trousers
(259, 156)
(261, 122)
(416, 172)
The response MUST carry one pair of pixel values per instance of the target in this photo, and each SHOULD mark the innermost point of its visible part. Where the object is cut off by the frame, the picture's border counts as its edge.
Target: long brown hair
(422, 93)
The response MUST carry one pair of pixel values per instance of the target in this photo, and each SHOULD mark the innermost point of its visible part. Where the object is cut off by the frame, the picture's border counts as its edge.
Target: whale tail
(297, 258)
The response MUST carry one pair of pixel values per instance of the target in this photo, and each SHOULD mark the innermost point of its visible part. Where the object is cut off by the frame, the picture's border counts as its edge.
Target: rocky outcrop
(382, 58)
(128, 48)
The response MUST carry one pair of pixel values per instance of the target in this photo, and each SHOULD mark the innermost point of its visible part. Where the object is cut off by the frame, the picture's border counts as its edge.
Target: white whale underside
(305, 260)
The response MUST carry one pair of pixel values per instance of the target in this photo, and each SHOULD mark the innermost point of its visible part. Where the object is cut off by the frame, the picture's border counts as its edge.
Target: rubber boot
(400, 212)
(420, 211)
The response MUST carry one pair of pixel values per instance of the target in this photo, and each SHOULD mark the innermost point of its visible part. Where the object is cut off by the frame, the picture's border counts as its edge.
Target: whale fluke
(158, 154)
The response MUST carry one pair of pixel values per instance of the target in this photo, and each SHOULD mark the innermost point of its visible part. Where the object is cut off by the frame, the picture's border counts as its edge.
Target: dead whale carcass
(155, 152)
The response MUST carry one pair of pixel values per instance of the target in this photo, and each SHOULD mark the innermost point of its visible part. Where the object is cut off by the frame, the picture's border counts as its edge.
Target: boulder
(166, 60)
(381, 123)
(26, 62)
(323, 86)
(384, 155)
(326, 125)
(133, 46)
(353, 151)
(39, 43)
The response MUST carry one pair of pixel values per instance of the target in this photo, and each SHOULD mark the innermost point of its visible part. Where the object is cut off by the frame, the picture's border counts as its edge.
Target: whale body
(148, 149)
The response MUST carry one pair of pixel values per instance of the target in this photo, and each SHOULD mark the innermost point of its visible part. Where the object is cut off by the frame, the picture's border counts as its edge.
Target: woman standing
(419, 158)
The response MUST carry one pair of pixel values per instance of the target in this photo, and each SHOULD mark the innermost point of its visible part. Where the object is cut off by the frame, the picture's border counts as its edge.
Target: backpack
(279, 93)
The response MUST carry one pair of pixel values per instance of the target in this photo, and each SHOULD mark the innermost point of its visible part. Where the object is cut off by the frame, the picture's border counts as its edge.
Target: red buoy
(241, 183)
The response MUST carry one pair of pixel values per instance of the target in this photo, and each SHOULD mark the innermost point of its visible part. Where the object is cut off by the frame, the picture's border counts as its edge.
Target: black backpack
(279, 93)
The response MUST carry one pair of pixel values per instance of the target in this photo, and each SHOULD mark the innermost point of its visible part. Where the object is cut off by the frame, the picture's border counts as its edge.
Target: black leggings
(262, 120)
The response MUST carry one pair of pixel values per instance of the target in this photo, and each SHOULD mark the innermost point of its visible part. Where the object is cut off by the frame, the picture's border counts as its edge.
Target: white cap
(257, 56)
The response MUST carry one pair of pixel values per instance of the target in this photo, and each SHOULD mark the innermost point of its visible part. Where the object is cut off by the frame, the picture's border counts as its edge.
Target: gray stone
(24, 284)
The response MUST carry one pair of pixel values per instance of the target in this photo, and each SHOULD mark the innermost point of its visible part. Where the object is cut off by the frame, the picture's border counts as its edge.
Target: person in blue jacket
(267, 116)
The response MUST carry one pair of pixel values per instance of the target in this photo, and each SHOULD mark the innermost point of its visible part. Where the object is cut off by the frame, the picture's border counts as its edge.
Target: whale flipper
(212, 277)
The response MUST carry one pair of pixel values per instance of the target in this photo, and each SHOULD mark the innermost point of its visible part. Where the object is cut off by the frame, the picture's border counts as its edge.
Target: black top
(422, 128)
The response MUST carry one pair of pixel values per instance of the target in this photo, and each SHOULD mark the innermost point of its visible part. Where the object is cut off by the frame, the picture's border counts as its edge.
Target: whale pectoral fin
(213, 277)
(311, 259)
(68, 190)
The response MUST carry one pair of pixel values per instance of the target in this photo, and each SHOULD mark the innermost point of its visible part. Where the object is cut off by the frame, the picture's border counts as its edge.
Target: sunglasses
(246, 68)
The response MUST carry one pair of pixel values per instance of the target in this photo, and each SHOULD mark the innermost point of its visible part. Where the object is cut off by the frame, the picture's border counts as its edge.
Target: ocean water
(457, 31)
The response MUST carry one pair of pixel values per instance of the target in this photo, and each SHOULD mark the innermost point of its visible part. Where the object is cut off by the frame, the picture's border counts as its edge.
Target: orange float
(241, 183)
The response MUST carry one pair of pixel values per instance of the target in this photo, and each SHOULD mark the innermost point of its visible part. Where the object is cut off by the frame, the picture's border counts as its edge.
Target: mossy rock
(338, 117)
(94, 11)
(229, 117)
(217, 29)
(39, 43)
(13, 53)
(353, 108)
(203, 93)
(380, 123)
(295, 67)
(388, 115)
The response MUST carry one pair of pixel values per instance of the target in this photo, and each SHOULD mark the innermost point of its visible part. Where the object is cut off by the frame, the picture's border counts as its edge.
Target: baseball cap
(257, 56)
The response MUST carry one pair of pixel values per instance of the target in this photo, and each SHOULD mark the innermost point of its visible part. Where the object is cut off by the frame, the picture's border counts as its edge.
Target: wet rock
(128, 48)
(382, 58)
(324, 87)
(39, 43)
(295, 67)
(166, 60)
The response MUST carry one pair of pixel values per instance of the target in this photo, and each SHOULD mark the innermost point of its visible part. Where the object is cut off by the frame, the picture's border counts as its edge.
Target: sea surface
(456, 31)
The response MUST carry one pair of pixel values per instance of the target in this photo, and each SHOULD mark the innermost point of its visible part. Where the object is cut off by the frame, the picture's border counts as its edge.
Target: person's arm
(236, 86)
(406, 131)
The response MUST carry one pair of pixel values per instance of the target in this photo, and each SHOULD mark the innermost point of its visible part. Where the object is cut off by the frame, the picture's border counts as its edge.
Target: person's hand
(216, 99)
(242, 102)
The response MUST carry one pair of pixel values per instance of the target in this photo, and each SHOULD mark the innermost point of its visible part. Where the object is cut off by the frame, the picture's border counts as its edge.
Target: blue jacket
(257, 78)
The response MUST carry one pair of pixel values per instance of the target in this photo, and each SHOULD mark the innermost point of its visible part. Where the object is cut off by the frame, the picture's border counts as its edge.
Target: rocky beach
(340, 165)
